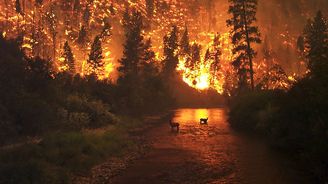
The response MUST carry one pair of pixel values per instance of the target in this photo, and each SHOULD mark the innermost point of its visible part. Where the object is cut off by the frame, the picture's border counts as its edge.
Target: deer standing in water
(174, 125)
(203, 120)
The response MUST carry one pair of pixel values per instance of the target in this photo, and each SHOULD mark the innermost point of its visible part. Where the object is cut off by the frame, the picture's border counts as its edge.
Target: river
(211, 153)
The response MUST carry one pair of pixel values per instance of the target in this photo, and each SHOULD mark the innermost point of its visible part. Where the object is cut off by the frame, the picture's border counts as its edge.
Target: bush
(254, 111)
(83, 112)
(295, 121)
(59, 155)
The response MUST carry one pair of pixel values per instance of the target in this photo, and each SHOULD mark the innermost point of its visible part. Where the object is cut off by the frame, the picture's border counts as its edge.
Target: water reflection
(187, 117)
(210, 153)
(212, 143)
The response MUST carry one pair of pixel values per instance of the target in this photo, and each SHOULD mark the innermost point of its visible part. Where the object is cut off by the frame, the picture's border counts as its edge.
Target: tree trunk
(248, 47)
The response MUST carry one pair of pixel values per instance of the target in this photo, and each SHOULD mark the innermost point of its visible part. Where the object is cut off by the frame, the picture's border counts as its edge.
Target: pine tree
(217, 52)
(95, 60)
(137, 71)
(185, 43)
(316, 45)
(195, 57)
(133, 46)
(301, 52)
(244, 33)
(171, 60)
(207, 55)
(68, 58)
(149, 68)
(82, 38)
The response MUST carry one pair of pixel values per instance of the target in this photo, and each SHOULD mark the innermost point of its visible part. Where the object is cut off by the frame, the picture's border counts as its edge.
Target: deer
(203, 120)
(174, 125)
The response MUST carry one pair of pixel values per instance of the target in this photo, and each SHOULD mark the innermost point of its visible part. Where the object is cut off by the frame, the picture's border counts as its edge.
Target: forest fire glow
(44, 26)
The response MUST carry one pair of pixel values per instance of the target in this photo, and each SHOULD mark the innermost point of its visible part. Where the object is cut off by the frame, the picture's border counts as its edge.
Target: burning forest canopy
(52, 29)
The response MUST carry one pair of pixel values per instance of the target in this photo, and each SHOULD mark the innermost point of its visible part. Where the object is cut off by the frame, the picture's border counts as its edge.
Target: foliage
(95, 59)
(59, 155)
(171, 60)
(139, 83)
(244, 33)
(316, 44)
(68, 58)
(296, 120)
(185, 43)
(82, 38)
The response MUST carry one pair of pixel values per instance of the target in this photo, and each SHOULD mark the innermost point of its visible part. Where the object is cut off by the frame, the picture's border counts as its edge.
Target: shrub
(252, 111)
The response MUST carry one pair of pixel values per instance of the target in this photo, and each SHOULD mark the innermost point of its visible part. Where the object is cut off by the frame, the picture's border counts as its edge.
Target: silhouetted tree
(301, 52)
(244, 33)
(171, 60)
(95, 59)
(215, 57)
(68, 58)
(82, 38)
(185, 43)
(133, 46)
(148, 61)
(195, 57)
(139, 82)
(316, 44)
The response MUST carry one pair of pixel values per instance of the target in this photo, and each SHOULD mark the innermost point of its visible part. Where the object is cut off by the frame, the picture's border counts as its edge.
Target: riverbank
(212, 153)
(293, 122)
(77, 156)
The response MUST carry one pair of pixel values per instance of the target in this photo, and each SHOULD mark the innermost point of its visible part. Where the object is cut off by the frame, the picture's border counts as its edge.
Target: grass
(59, 155)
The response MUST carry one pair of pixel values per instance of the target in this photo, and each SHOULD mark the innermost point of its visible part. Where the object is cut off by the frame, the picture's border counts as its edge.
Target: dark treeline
(55, 108)
(34, 98)
(295, 120)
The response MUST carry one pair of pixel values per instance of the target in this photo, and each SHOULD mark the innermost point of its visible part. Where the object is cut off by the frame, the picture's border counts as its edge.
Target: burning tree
(52, 20)
(195, 57)
(244, 33)
(214, 56)
(185, 43)
(67, 58)
(95, 60)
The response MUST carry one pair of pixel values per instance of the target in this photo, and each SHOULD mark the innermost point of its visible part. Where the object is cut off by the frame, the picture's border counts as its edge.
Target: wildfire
(46, 27)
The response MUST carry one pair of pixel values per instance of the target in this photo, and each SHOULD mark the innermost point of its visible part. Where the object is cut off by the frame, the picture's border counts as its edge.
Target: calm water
(210, 153)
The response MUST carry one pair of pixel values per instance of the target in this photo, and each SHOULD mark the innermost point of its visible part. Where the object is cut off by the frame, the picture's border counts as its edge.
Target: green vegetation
(297, 120)
(79, 121)
(59, 155)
